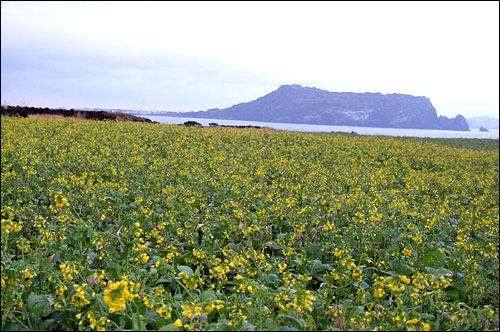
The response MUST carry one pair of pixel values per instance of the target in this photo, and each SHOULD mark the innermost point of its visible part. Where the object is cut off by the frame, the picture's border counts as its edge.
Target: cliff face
(297, 104)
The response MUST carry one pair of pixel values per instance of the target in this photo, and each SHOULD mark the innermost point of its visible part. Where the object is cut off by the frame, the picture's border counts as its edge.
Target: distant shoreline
(39, 112)
(472, 134)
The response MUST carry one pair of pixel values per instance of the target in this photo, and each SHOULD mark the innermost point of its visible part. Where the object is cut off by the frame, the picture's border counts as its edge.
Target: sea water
(474, 133)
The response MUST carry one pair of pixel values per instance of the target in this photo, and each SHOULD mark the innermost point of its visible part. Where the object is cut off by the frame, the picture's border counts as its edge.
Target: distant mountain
(483, 121)
(297, 104)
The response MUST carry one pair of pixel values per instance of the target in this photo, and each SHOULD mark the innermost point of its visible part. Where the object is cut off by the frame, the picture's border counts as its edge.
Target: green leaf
(10, 326)
(271, 279)
(313, 251)
(391, 273)
(400, 267)
(143, 272)
(114, 269)
(315, 267)
(35, 320)
(208, 295)
(439, 272)
(435, 259)
(453, 293)
(164, 268)
(363, 285)
(300, 322)
(297, 263)
(271, 325)
(248, 327)
(168, 327)
(186, 269)
(152, 314)
(328, 279)
(100, 302)
(356, 311)
(38, 305)
(46, 324)
(153, 274)
(137, 323)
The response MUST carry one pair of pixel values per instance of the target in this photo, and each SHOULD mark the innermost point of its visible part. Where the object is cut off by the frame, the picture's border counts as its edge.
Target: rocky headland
(297, 104)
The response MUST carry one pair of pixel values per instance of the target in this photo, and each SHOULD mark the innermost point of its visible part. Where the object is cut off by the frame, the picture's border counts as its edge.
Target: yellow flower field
(121, 225)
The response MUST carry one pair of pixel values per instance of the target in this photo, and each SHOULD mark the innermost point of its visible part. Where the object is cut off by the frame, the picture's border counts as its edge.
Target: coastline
(26, 111)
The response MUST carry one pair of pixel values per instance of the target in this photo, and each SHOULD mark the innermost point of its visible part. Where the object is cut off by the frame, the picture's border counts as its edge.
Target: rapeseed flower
(117, 294)
(80, 297)
(61, 201)
(378, 293)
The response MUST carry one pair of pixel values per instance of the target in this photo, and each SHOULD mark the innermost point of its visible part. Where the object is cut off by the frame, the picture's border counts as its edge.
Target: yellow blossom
(178, 323)
(117, 294)
(378, 293)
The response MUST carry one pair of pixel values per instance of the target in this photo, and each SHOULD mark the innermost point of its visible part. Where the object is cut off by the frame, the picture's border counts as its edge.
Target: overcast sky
(188, 56)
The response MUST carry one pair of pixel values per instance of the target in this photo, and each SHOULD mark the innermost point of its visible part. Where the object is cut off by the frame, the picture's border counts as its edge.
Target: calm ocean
(474, 133)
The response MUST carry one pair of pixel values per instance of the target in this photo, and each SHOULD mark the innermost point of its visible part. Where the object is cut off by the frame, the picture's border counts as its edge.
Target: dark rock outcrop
(483, 129)
(191, 124)
(90, 115)
(238, 127)
(297, 104)
(215, 125)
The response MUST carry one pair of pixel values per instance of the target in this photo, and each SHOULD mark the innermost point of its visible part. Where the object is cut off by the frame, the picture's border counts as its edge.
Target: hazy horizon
(191, 56)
